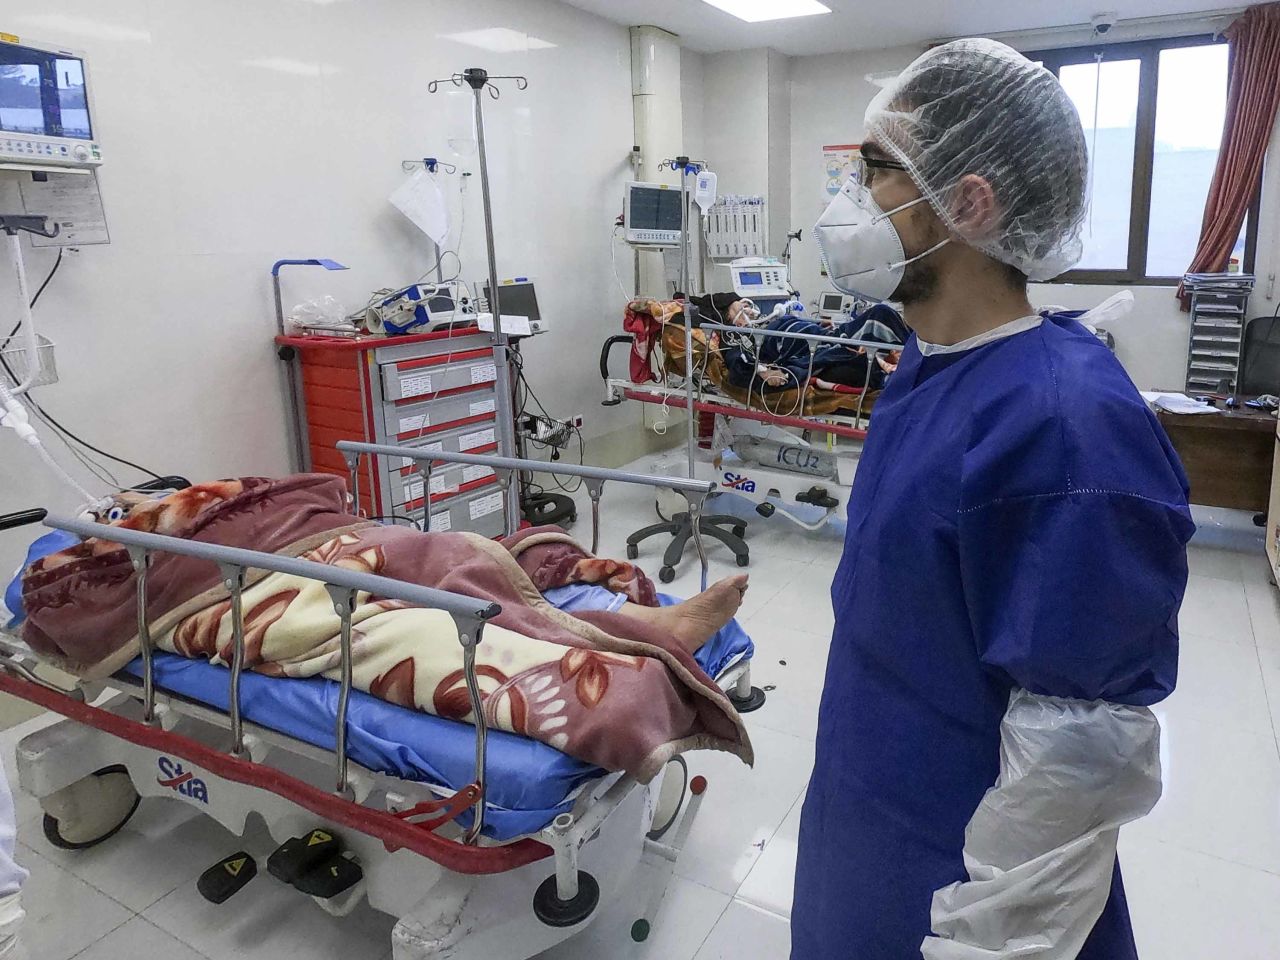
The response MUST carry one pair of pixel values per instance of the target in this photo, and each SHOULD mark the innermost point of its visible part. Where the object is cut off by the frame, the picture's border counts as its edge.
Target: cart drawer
(481, 511)
(446, 479)
(431, 376)
(404, 421)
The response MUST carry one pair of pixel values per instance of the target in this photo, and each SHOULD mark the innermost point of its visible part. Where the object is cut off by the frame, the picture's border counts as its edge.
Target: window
(1152, 114)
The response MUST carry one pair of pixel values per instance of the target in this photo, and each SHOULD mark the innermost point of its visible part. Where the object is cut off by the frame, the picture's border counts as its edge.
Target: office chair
(1260, 366)
(1260, 360)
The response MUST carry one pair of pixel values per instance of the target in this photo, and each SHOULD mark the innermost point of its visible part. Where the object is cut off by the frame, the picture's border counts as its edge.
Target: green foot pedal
(334, 876)
(300, 855)
(227, 877)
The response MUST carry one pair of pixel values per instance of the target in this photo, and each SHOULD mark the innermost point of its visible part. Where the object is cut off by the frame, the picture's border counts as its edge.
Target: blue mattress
(529, 783)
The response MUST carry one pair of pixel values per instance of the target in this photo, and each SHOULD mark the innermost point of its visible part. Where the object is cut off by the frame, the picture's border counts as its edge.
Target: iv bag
(704, 193)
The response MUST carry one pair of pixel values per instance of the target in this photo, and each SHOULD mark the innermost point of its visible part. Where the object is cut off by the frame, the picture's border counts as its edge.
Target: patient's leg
(696, 620)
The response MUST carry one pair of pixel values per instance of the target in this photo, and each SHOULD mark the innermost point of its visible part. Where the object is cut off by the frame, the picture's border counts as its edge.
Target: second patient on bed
(695, 621)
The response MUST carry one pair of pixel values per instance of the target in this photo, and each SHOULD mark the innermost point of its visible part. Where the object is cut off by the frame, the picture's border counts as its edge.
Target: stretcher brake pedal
(227, 877)
(334, 876)
(818, 497)
(300, 855)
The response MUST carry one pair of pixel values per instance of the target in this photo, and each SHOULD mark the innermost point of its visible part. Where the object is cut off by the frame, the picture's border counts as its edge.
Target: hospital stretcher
(777, 488)
(416, 837)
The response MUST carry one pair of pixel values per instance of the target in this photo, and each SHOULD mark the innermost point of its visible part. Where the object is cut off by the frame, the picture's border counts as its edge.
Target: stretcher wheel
(670, 798)
(554, 912)
(667, 574)
(103, 803)
(633, 551)
(752, 701)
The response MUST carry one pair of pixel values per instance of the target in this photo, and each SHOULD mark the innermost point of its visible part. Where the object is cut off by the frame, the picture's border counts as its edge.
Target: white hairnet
(979, 107)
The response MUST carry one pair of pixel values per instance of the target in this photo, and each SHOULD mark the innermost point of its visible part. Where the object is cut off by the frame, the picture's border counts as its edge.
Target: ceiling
(870, 24)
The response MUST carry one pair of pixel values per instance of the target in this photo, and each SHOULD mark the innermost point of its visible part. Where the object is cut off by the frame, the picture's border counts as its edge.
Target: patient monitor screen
(42, 92)
(517, 300)
(654, 209)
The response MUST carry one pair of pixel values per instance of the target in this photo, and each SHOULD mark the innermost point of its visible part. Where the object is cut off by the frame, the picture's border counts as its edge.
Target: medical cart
(437, 391)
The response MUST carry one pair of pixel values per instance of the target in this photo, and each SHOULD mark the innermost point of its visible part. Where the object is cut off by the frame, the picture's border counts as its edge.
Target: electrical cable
(396, 518)
(35, 299)
(40, 411)
(522, 405)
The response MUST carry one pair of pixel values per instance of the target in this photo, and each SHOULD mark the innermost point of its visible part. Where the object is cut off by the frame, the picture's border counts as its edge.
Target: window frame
(1148, 53)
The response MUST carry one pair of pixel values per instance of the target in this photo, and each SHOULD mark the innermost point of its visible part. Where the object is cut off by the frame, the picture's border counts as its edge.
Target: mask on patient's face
(860, 245)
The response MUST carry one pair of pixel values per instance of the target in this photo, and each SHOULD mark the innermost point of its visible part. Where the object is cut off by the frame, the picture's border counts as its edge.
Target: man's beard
(918, 284)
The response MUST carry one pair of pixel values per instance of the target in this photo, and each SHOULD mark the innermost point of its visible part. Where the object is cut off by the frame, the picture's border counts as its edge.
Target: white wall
(240, 132)
(829, 97)
(779, 192)
(692, 101)
(736, 119)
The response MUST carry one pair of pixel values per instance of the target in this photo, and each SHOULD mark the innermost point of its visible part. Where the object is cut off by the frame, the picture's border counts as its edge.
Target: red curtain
(1253, 96)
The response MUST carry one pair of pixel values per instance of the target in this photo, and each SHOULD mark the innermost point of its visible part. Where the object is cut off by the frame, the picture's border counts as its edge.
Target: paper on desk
(419, 198)
(1177, 403)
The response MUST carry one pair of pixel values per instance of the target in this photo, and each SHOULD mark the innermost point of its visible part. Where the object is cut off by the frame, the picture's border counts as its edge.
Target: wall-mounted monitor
(46, 112)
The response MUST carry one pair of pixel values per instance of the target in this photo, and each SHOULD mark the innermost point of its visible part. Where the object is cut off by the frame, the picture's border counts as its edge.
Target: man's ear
(974, 209)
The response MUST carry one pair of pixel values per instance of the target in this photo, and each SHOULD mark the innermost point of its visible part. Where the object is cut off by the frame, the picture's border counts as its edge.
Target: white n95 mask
(861, 246)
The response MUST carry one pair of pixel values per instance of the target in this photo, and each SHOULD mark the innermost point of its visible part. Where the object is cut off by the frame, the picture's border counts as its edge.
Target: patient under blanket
(775, 374)
(616, 688)
(784, 363)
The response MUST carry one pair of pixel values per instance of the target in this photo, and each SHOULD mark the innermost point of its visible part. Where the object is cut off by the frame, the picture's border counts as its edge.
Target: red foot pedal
(227, 877)
(299, 855)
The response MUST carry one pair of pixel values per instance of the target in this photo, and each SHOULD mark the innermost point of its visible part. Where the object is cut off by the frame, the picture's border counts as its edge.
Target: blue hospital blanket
(529, 783)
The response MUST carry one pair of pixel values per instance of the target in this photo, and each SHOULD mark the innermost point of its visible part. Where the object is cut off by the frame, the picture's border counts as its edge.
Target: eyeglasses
(864, 168)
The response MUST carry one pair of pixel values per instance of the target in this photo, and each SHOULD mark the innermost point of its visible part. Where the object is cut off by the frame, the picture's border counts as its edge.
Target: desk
(1227, 455)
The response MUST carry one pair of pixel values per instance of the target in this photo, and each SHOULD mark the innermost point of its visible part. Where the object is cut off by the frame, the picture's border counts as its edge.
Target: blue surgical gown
(1018, 519)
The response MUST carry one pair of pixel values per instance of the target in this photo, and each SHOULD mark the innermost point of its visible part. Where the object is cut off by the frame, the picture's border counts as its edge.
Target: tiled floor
(1203, 870)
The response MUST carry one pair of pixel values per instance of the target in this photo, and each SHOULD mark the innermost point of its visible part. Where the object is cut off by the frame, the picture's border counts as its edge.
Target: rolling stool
(680, 529)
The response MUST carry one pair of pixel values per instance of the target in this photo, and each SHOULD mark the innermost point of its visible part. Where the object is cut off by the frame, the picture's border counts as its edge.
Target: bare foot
(696, 620)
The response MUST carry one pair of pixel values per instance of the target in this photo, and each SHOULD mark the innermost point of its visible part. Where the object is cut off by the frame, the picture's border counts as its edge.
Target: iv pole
(687, 167)
(478, 79)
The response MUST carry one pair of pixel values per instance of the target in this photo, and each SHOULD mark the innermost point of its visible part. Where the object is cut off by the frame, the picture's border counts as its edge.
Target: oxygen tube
(14, 414)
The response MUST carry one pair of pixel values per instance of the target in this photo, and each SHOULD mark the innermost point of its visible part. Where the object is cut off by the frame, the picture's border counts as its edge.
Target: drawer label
(441, 522)
(439, 485)
(409, 424)
(483, 373)
(475, 473)
(481, 438)
(483, 506)
(484, 406)
(413, 386)
(436, 447)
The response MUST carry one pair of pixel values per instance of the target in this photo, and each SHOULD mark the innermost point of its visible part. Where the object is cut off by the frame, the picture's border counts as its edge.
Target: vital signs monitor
(45, 109)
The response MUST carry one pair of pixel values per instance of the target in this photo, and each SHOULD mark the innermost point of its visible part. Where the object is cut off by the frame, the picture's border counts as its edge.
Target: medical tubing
(25, 319)
(16, 414)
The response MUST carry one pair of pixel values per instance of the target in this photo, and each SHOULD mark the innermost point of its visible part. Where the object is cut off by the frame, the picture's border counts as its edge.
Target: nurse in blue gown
(1006, 604)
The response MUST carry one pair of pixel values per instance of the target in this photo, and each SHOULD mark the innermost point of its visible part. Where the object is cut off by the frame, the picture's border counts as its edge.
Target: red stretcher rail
(743, 413)
(383, 825)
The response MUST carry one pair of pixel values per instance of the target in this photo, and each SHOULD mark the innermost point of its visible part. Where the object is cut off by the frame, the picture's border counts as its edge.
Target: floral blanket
(603, 687)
